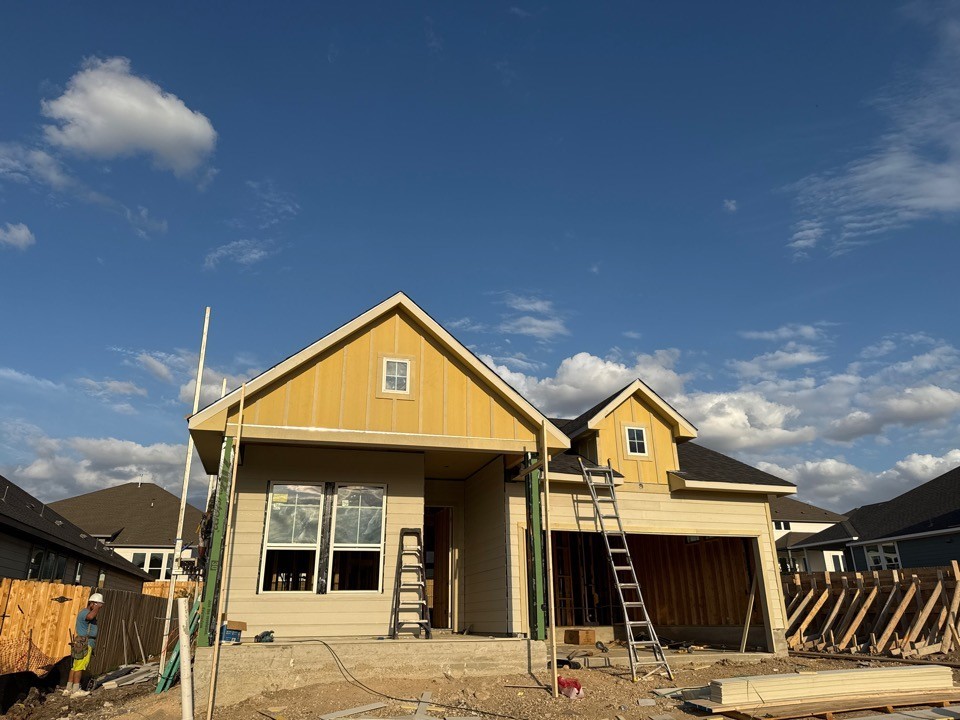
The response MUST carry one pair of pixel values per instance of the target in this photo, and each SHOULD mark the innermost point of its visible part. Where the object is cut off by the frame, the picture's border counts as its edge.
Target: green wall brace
(535, 574)
(211, 584)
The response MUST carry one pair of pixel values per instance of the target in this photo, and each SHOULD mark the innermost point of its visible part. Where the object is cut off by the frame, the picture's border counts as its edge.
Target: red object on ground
(570, 687)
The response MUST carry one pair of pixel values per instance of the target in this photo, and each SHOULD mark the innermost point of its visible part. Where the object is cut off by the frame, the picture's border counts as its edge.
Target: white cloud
(731, 421)
(155, 366)
(632, 334)
(730, 206)
(107, 111)
(910, 173)
(910, 406)
(584, 379)
(241, 252)
(274, 205)
(540, 328)
(101, 388)
(17, 236)
(843, 486)
(784, 332)
(212, 384)
(26, 380)
(879, 349)
(791, 356)
(33, 166)
(528, 303)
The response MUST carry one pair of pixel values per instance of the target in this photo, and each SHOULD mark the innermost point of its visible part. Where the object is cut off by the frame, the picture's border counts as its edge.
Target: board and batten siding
(486, 600)
(342, 389)
(450, 494)
(308, 614)
(610, 443)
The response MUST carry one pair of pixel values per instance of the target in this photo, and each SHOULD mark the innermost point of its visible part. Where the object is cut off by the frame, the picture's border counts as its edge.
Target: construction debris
(899, 613)
(352, 711)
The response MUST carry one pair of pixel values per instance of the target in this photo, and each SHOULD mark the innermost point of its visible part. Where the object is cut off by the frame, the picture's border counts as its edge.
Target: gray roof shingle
(21, 511)
(701, 463)
(788, 508)
(133, 514)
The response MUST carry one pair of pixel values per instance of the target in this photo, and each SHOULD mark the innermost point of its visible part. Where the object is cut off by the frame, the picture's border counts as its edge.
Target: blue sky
(737, 203)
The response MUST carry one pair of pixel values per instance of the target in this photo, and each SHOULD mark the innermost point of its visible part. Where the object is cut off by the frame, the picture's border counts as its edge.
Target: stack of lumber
(829, 685)
(899, 613)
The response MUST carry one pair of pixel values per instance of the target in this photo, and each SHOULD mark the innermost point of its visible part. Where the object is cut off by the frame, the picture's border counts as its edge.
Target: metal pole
(186, 669)
(178, 545)
(549, 540)
(227, 557)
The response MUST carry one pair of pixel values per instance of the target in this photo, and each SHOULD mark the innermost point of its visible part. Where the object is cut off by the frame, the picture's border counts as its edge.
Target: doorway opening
(437, 545)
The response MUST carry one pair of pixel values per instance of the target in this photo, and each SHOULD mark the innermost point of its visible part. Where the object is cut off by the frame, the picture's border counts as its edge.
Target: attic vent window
(636, 441)
(396, 375)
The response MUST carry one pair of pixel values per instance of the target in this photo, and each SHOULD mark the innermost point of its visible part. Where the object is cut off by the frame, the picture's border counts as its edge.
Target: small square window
(636, 441)
(396, 376)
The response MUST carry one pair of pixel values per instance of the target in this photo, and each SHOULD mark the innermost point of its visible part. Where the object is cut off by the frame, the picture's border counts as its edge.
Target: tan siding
(312, 615)
(485, 551)
(611, 441)
(450, 493)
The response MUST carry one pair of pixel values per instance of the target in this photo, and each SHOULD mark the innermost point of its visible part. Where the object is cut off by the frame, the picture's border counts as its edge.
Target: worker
(86, 628)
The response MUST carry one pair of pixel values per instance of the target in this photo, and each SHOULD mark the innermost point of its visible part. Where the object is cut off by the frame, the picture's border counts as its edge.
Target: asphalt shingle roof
(933, 506)
(22, 511)
(572, 428)
(566, 462)
(134, 514)
(701, 463)
(788, 508)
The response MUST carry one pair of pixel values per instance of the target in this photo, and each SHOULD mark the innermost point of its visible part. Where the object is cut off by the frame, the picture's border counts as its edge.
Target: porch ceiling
(451, 465)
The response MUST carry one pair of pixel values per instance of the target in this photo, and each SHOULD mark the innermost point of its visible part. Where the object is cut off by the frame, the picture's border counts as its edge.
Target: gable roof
(931, 507)
(701, 463)
(555, 438)
(132, 514)
(789, 508)
(590, 419)
(21, 511)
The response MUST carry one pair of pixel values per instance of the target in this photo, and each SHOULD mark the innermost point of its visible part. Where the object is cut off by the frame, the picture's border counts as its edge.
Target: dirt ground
(608, 694)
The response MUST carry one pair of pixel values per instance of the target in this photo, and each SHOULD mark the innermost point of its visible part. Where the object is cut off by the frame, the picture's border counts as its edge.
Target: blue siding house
(920, 528)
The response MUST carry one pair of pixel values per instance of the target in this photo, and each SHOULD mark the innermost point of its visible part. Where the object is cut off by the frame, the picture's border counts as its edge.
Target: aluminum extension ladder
(410, 589)
(636, 618)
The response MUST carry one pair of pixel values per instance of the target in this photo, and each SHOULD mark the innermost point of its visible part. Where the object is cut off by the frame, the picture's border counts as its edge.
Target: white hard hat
(96, 597)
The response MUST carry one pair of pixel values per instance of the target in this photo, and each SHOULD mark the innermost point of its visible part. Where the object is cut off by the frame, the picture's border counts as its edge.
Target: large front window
(291, 551)
(357, 554)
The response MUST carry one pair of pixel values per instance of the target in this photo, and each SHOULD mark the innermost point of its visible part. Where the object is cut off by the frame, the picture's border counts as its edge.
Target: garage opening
(696, 589)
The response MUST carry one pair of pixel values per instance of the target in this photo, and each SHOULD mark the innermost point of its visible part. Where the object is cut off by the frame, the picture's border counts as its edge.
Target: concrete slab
(248, 669)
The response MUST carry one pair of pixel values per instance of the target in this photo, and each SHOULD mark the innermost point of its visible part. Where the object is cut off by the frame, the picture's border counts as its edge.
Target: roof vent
(58, 522)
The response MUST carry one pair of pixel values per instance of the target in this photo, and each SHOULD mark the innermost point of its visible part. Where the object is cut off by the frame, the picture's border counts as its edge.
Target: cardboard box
(579, 636)
(236, 625)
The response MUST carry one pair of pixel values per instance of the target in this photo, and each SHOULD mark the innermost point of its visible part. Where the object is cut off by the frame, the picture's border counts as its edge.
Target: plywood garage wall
(307, 614)
(656, 511)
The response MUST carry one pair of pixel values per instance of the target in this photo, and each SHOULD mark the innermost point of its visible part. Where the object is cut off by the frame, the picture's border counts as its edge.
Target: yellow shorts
(82, 663)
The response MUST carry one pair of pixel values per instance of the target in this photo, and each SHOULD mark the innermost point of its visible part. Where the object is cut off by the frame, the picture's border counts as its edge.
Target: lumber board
(858, 618)
(765, 689)
(897, 614)
(784, 711)
(352, 711)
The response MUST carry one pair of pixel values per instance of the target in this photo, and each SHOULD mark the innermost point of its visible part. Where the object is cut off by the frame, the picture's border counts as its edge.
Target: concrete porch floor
(617, 656)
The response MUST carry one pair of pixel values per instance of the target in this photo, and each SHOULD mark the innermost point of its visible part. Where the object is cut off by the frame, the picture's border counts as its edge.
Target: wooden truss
(901, 613)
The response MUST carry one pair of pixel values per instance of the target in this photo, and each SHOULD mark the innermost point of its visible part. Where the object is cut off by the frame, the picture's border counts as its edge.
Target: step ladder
(410, 611)
(639, 628)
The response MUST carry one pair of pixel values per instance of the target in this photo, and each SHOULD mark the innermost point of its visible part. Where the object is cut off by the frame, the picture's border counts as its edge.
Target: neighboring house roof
(931, 507)
(788, 508)
(787, 541)
(135, 514)
(701, 463)
(588, 420)
(23, 512)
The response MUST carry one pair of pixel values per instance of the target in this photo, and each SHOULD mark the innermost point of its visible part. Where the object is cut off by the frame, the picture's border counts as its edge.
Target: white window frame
(383, 379)
(626, 439)
(883, 559)
(267, 545)
(333, 545)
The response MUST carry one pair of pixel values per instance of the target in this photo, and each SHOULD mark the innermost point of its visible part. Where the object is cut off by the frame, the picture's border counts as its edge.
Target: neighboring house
(138, 520)
(389, 423)
(37, 543)
(795, 521)
(920, 528)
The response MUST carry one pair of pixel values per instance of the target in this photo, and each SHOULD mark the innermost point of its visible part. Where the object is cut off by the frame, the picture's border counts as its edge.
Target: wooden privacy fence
(184, 588)
(39, 616)
(902, 613)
